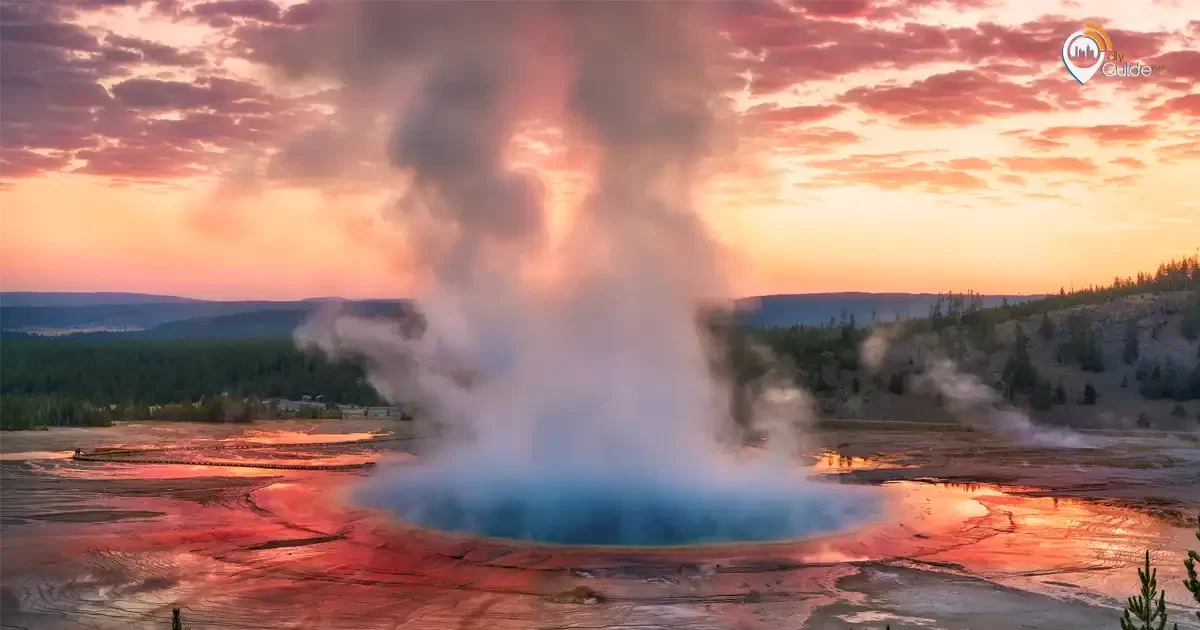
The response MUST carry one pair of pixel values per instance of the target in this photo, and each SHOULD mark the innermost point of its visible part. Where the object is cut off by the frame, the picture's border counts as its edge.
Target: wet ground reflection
(116, 546)
(834, 461)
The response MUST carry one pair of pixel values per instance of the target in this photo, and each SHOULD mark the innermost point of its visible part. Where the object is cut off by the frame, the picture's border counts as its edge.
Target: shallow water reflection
(111, 546)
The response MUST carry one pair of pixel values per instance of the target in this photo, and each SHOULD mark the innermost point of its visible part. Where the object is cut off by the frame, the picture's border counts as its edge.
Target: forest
(64, 381)
(84, 380)
(818, 354)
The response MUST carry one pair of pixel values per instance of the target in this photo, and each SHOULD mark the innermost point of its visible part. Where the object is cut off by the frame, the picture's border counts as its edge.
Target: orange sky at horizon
(898, 147)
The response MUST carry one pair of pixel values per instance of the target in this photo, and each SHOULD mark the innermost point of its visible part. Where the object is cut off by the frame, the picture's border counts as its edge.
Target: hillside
(1157, 324)
(1160, 388)
(271, 317)
(37, 298)
(263, 324)
(167, 317)
(817, 308)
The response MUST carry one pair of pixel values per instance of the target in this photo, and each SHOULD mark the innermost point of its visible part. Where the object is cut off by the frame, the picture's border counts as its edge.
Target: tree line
(1176, 275)
(820, 353)
(29, 412)
(48, 381)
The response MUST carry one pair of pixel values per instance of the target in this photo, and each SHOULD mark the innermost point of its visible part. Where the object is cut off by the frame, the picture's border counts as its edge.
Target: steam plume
(980, 406)
(970, 401)
(874, 348)
(571, 373)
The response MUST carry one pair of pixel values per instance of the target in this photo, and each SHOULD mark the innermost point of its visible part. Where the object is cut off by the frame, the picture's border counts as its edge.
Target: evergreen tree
(1130, 353)
(1047, 327)
(1150, 378)
(1190, 326)
(1089, 394)
(1043, 395)
(1192, 583)
(1019, 373)
(141, 373)
(1091, 356)
(1143, 611)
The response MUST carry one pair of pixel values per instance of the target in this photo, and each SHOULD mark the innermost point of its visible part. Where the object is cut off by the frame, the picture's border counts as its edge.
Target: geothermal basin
(615, 506)
(955, 531)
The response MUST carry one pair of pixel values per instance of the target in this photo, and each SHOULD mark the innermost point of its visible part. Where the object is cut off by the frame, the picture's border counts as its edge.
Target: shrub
(1043, 396)
(1089, 394)
(1047, 327)
(1179, 411)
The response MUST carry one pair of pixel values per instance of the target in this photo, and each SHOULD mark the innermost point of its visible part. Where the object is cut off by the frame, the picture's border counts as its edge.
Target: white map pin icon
(1082, 55)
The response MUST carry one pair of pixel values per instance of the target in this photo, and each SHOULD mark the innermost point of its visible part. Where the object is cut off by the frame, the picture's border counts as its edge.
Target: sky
(207, 149)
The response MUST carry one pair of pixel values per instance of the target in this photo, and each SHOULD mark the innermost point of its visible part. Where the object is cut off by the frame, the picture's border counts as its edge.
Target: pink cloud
(1128, 162)
(952, 98)
(1049, 164)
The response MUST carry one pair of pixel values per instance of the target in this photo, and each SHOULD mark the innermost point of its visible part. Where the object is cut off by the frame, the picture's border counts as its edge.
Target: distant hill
(249, 325)
(254, 324)
(137, 317)
(816, 308)
(121, 316)
(167, 317)
(35, 298)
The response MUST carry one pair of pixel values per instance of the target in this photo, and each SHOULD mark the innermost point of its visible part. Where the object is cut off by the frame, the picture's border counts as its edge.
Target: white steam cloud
(972, 402)
(571, 375)
(979, 406)
(874, 348)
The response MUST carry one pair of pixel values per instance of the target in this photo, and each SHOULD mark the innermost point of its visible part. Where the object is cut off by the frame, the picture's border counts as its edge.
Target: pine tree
(1143, 609)
(1192, 583)
(176, 619)
(1043, 395)
(1130, 353)
(1190, 325)
(1047, 327)
(1019, 372)
(1092, 356)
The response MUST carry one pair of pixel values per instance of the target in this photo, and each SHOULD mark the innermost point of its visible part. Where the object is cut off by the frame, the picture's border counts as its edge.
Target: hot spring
(565, 344)
(609, 508)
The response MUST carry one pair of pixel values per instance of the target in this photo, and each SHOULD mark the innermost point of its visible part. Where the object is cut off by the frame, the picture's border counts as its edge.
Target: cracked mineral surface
(975, 534)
